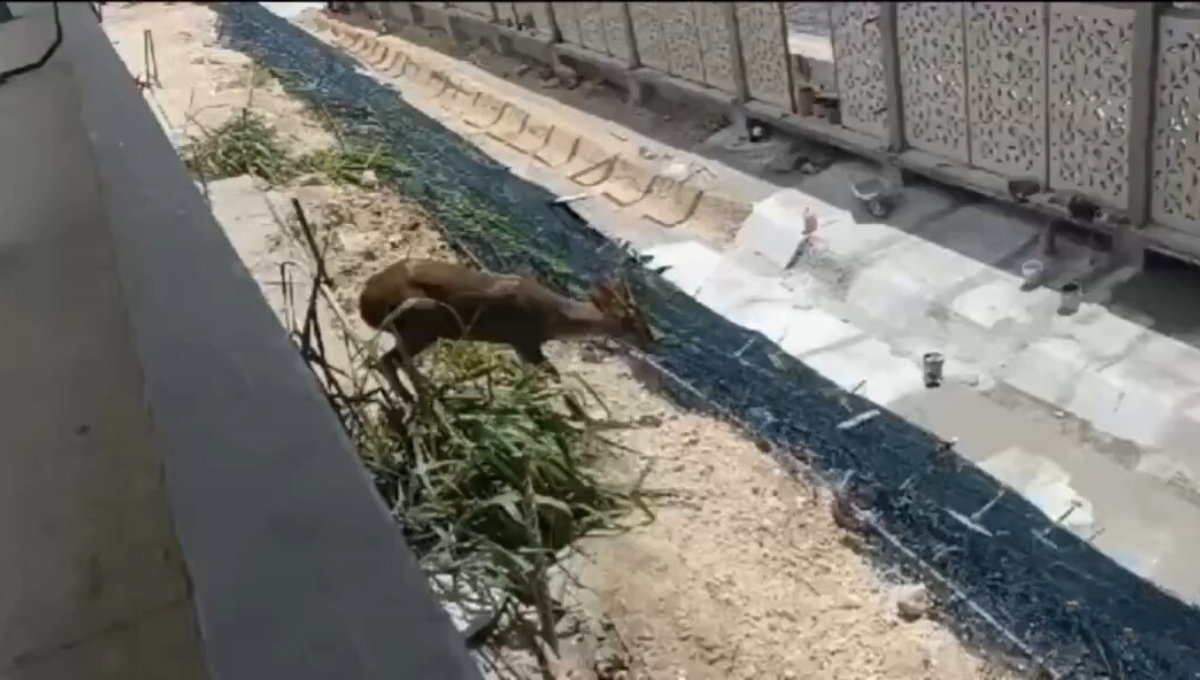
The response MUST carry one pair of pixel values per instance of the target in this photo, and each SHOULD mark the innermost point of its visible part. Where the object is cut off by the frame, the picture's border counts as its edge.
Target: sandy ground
(743, 574)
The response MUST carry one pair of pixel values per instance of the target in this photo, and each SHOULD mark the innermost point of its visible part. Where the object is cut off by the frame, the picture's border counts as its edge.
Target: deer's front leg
(391, 365)
(409, 343)
(532, 354)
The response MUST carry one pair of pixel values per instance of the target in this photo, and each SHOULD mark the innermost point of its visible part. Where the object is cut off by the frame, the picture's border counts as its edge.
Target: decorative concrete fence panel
(602, 27)
(1060, 92)
(1175, 198)
(591, 26)
(689, 40)
(858, 63)
(506, 13)
(716, 45)
(648, 35)
(567, 20)
(535, 16)
(617, 33)
(763, 37)
(683, 40)
(1091, 49)
(1006, 87)
(480, 9)
(933, 77)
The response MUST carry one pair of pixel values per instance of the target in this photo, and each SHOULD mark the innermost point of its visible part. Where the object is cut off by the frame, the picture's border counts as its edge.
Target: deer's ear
(602, 295)
(626, 293)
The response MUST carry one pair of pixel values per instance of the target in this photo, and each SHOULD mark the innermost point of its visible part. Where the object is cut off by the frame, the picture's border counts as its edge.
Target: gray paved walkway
(93, 581)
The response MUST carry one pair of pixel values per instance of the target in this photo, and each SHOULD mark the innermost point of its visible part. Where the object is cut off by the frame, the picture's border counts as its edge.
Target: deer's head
(615, 301)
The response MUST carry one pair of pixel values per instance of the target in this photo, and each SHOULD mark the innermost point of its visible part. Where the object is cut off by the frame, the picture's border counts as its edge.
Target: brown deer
(428, 300)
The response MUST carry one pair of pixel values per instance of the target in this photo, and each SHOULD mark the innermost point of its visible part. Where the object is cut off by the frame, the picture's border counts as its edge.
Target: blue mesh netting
(1084, 614)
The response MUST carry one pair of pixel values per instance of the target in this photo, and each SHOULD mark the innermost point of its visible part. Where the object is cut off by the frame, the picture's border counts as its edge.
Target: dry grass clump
(247, 145)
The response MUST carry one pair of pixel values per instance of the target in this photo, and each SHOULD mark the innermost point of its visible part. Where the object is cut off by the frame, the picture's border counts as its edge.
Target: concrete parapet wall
(295, 568)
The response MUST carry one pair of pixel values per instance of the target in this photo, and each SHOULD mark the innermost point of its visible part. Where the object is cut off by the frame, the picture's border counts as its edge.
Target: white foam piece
(1042, 482)
(773, 318)
(814, 330)
(998, 300)
(884, 376)
(290, 10)
(690, 263)
(775, 227)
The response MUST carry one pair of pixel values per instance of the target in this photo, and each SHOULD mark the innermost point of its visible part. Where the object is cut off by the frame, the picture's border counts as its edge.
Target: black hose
(5, 76)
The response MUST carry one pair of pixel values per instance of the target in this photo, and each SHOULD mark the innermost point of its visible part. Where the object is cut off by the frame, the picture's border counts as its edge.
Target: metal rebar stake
(150, 59)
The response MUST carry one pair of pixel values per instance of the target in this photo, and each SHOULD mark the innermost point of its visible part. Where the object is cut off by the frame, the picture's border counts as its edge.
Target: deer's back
(494, 308)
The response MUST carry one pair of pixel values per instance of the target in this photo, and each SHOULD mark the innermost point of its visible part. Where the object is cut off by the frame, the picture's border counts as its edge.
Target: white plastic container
(1032, 271)
(933, 368)
(1072, 296)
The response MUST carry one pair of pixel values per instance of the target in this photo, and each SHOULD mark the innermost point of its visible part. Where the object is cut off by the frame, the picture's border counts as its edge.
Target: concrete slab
(909, 282)
(870, 365)
(771, 311)
(1045, 483)
(958, 263)
(1153, 389)
(690, 264)
(998, 300)
(1055, 460)
(1050, 369)
(981, 232)
(814, 330)
(1104, 337)
(845, 241)
(728, 286)
(776, 225)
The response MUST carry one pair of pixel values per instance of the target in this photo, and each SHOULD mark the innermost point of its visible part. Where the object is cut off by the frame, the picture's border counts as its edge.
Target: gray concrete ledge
(817, 129)
(672, 87)
(611, 66)
(538, 47)
(297, 570)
